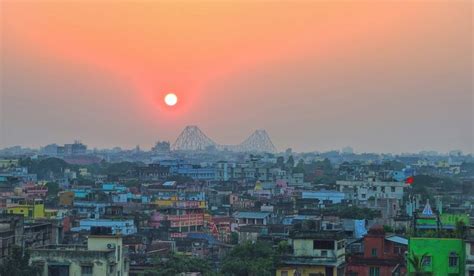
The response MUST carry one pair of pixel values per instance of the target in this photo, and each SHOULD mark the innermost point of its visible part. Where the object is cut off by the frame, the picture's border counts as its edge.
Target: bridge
(193, 139)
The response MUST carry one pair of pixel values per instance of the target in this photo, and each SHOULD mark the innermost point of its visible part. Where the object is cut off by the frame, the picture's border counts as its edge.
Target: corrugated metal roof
(397, 239)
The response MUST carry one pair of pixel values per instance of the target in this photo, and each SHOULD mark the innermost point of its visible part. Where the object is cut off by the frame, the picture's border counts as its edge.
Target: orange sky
(322, 69)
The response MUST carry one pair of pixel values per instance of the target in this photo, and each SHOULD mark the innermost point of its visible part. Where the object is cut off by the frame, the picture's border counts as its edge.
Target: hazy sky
(381, 76)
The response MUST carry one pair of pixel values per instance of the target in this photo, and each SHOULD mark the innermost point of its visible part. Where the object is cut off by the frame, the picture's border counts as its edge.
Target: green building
(444, 256)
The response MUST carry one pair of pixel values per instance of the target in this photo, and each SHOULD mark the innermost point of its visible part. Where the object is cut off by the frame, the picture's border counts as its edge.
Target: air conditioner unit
(110, 245)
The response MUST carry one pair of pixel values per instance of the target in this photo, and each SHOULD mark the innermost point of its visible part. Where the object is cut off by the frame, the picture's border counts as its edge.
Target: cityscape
(236, 138)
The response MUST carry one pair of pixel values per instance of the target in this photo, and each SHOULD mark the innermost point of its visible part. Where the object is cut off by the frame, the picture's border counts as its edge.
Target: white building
(363, 190)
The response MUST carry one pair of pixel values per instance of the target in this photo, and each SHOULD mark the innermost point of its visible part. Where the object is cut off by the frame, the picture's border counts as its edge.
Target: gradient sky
(380, 76)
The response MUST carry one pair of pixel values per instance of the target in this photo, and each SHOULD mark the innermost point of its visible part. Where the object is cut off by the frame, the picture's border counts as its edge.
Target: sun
(171, 99)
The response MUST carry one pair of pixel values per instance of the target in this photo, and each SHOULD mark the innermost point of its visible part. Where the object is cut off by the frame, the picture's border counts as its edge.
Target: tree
(234, 238)
(416, 262)
(17, 263)
(299, 167)
(460, 229)
(249, 259)
(280, 162)
(177, 264)
(290, 163)
(53, 188)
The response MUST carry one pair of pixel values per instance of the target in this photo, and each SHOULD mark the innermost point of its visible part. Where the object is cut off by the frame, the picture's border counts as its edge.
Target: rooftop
(254, 215)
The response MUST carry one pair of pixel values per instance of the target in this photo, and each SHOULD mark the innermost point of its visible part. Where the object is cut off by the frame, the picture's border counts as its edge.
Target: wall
(439, 249)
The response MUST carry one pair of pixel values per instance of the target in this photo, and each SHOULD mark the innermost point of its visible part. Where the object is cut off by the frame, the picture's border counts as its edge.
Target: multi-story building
(89, 209)
(152, 172)
(364, 190)
(314, 253)
(470, 256)
(381, 255)
(253, 218)
(103, 255)
(439, 256)
(123, 226)
(30, 209)
(324, 196)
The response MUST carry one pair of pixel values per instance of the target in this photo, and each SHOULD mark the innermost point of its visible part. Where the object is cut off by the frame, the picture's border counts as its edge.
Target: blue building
(124, 227)
(333, 196)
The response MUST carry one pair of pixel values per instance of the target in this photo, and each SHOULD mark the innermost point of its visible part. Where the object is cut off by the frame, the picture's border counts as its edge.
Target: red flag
(409, 180)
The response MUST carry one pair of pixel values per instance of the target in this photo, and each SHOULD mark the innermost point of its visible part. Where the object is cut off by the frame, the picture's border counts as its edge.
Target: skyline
(379, 77)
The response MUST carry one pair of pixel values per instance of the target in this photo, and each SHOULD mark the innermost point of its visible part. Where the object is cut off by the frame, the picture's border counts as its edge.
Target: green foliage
(234, 238)
(118, 169)
(132, 183)
(283, 248)
(53, 188)
(460, 229)
(17, 263)
(45, 168)
(250, 259)
(416, 262)
(290, 163)
(352, 212)
(177, 264)
(280, 163)
(388, 229)
(393, 165)
(299, 167)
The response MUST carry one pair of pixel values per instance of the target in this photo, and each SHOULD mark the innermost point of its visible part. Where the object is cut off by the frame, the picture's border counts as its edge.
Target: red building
(381, 255)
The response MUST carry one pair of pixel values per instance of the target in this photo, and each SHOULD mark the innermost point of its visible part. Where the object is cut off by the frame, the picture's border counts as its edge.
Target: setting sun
(171, 99)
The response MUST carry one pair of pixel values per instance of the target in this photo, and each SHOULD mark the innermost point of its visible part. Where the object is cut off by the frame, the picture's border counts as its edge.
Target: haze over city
(236, 138)
(385, 76)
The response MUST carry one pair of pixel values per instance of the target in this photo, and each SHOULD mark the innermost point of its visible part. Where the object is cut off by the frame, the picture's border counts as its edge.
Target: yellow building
(32, 210)
(66, 198)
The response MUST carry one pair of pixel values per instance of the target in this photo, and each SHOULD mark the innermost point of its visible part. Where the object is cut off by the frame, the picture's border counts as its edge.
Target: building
(440, 256)
(33, 209)
(123, 227)
(324, 196)
(364, 190)
(14, 230)
(77, 148)
(11, 233)
(380, 255)
(470, 256)
(314, 253)
(152, 172)
(103, 255)
(162, 146)
(252, 218)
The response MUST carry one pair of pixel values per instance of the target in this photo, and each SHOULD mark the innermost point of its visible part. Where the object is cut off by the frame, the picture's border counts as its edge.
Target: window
(363, 195)
(374, 271)
(324, 253)
(86, 270)
(426, 261)
(321, 244)
(374, 252)
(392, 189)
(453, 260)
